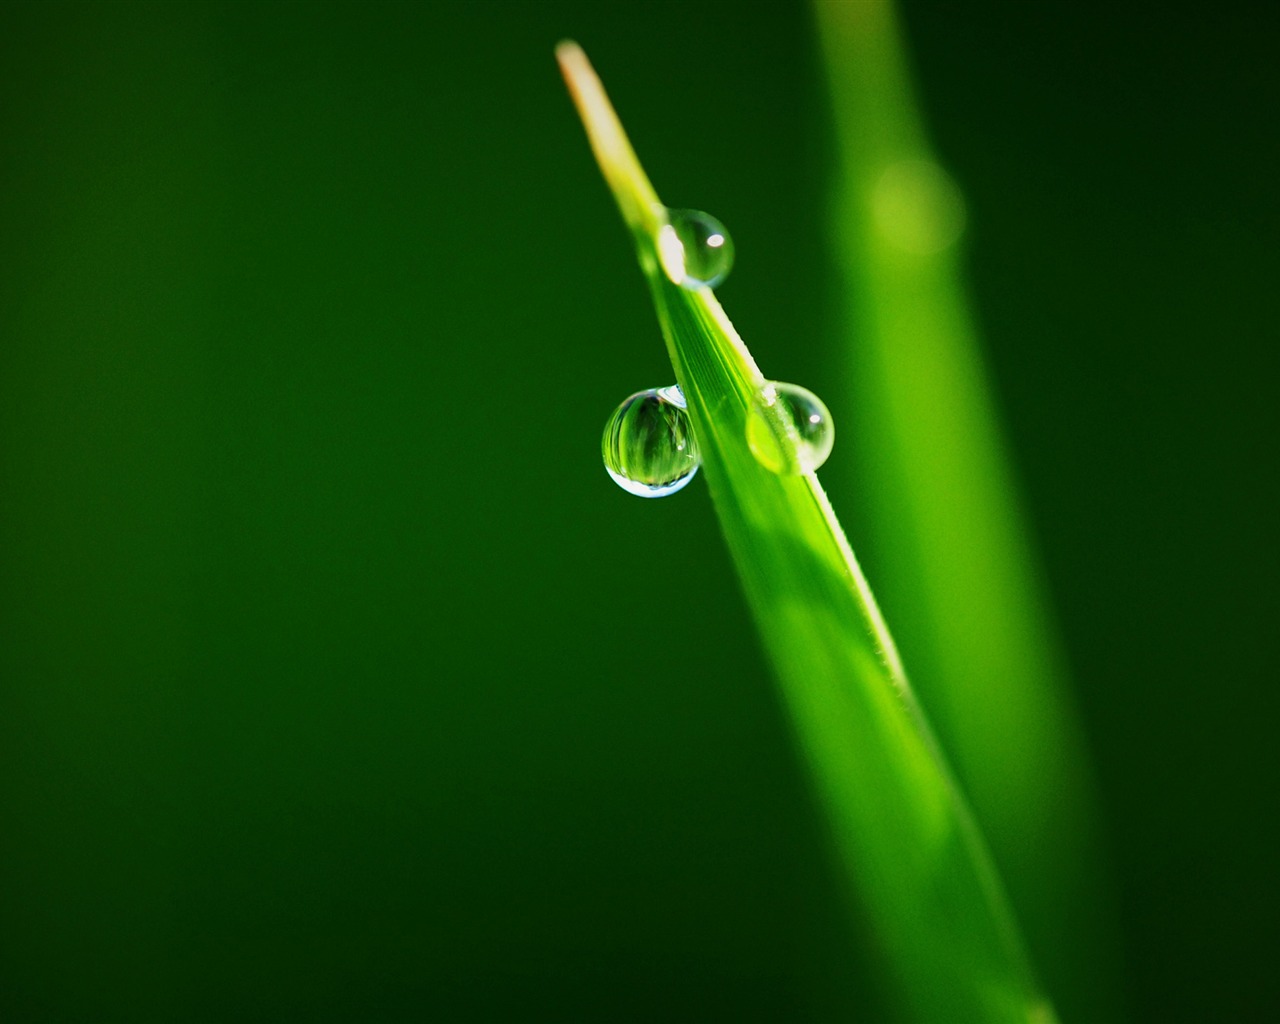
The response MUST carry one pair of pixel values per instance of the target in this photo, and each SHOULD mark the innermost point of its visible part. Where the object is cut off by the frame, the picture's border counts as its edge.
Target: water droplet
(789, 429)
(648, 443)
(695, 248)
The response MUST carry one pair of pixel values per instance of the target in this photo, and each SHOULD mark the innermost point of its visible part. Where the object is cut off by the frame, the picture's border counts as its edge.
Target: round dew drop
(695, 248)
(789, 429)
(648, 443)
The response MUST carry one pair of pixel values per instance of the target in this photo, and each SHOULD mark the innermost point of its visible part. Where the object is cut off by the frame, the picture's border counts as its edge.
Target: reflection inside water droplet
(648, 444)
(789, 429)
(695, 249)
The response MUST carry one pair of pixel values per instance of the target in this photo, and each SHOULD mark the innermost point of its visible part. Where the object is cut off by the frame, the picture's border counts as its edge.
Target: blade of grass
(940, 508)
(910, 853)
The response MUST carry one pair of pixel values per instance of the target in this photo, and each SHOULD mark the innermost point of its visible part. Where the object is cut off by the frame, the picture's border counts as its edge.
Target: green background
(337, 681)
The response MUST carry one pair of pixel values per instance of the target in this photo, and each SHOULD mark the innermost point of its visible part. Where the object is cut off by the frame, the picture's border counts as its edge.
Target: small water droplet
(695, 248)
(648, 443)
(789, 429)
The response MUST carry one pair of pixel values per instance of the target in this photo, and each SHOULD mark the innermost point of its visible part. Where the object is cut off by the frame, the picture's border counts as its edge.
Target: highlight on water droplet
(695, 249)
(789, 429)
(648, 445)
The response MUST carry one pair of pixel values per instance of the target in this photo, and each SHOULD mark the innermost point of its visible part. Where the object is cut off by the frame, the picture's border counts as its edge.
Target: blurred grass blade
(939, 507)
(909, 851)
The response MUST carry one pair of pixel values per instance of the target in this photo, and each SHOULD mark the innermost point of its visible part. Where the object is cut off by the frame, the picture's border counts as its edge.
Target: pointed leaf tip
(626, 178)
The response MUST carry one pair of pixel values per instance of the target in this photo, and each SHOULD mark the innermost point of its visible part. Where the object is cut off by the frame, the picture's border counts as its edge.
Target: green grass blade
(909, 851)
(940, 508)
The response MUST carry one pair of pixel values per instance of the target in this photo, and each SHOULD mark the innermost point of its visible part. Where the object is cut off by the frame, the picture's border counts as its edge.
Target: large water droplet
(789, 429)
(695, 248)
(648, 443)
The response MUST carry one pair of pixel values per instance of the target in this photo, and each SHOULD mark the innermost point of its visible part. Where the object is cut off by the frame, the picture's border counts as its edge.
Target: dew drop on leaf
(695, 248)
(789, 429)
(648, 443)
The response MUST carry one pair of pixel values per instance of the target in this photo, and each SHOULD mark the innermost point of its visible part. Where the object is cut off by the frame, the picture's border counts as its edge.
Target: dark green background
(337, 682)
